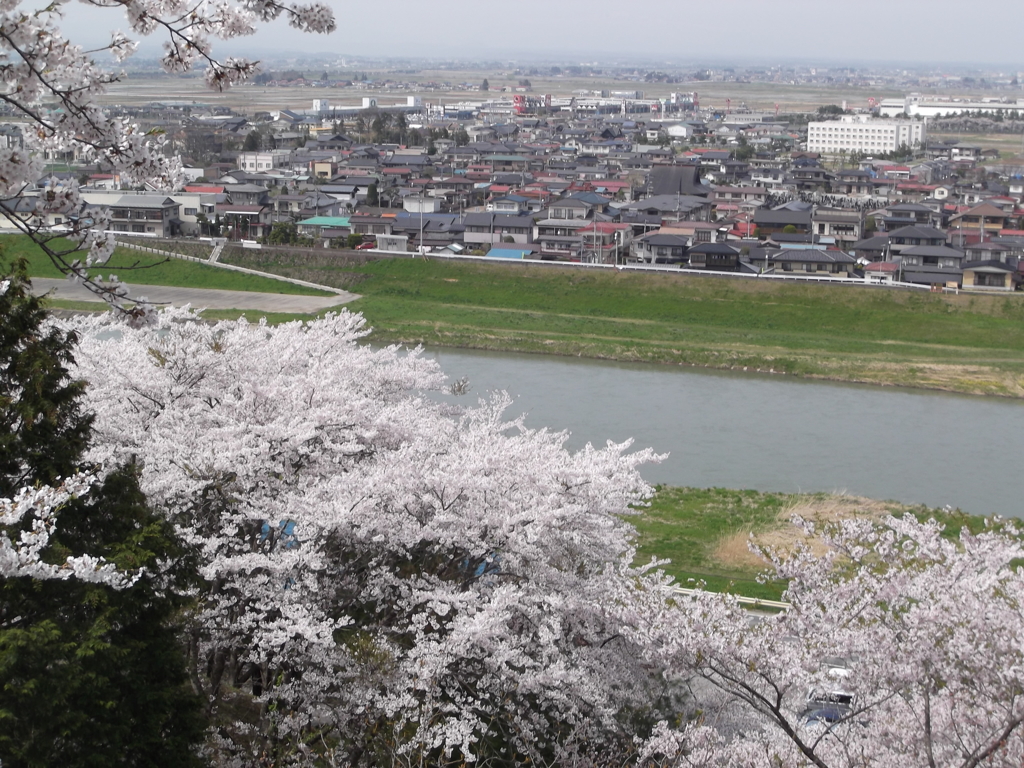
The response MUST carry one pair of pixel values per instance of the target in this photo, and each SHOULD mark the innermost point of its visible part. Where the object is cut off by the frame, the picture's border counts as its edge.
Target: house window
(138, 228)
(190, 211)
(990, 281)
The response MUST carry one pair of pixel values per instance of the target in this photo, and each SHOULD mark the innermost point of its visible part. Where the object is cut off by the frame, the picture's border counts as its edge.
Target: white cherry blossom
(374, 555)
(40, 66)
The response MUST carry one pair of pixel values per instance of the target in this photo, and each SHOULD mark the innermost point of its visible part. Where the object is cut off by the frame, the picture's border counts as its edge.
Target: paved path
(207, 298)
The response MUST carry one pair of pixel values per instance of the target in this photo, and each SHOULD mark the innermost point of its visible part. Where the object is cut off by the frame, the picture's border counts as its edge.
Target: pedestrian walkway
(204, 298)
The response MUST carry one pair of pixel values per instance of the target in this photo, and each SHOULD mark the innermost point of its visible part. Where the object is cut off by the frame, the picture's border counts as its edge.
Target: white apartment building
(255, 162)
(861, 133)
(190, 204)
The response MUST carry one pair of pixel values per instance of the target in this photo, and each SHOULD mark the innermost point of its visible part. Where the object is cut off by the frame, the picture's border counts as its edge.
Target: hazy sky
(932, 31)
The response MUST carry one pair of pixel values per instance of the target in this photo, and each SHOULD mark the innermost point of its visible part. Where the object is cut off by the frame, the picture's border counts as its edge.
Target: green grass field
(137, 267)
(685, 525)
(704, 531)
(965, 343)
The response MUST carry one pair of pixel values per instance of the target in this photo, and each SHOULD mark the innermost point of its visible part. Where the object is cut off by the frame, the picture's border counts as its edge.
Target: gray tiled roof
(813, 255)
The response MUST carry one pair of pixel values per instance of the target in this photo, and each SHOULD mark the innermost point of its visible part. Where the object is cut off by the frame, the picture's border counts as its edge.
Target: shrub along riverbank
(963, 343)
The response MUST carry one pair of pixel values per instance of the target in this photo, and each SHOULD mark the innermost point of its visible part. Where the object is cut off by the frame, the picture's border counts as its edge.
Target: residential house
(908, 237)
(771, 220)
(661, 248)
(715, 257)
(990, 276)
(886, 245)
(846, 225)
(881, 272)
(907, 214)
(674, 207)
(604, 242)
(439, 230)
(569, 208)
(769, 178)
(491, 228)
(811, 261)
(324, 227)
(372, 224)
(934, 265)
(991, 250)
(697, 231)
(195, 209)
(986, 219)
(809, 177)
(560, 238)
(153, 215)
(756, 195)
(19, 211)
(247, 194)
(872, 249)
(348, 192)
(287, 207)
(853, 182)
(245, 221)
(323, 169)
(511, 204)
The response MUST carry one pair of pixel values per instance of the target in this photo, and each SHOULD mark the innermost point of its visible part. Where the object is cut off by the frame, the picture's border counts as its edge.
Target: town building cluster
(598, 178)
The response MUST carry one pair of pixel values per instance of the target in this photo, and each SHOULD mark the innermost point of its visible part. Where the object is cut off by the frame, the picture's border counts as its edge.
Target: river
(771, 433)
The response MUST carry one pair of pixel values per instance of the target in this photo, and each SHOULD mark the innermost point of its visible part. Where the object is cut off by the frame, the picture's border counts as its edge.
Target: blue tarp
(504, 253)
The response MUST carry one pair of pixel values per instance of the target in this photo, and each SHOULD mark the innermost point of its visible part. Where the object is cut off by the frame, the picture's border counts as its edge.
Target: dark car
(823, 717)
(828, 714)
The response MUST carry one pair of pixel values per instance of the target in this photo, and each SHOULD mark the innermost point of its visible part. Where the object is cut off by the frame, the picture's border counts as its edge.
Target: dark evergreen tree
(43, 429)
(90, 675)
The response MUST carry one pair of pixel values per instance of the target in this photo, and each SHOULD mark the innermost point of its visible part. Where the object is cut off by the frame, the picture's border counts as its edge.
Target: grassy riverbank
(962, 343)
(967, 343)
(705, 531)
(140, 268)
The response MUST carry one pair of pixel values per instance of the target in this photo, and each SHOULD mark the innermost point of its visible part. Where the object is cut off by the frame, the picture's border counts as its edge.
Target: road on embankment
(207, 298)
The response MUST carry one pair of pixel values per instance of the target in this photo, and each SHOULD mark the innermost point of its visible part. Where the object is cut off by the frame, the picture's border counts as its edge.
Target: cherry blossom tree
(902, 647)
(53, 85)
(390, 579)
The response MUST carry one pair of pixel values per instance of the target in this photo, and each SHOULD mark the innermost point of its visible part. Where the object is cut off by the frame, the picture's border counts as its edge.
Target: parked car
(365, 246)
(823, 715)
(835, 688)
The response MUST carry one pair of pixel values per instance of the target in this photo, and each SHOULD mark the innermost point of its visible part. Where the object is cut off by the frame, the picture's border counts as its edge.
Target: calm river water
(771, 433)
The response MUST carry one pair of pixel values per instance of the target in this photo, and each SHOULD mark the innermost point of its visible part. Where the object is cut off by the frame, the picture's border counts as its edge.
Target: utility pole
(419, 244)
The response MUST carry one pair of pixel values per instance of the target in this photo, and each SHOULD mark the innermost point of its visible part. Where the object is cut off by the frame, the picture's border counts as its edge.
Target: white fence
(747, 602)
(671, 270)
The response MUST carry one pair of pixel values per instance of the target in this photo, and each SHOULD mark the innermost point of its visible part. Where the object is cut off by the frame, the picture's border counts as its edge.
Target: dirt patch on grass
(733, 551)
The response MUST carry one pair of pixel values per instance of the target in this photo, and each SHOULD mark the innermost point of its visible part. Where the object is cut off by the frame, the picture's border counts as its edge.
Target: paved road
(201, 297)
